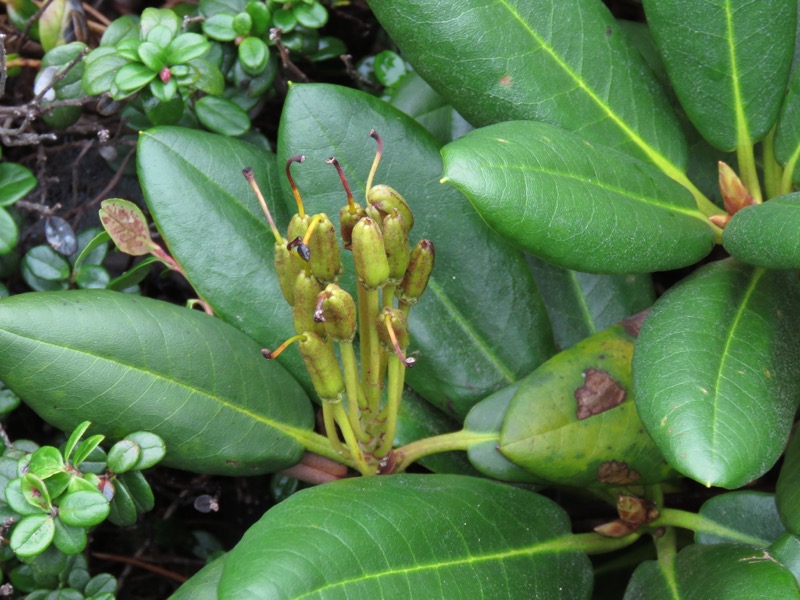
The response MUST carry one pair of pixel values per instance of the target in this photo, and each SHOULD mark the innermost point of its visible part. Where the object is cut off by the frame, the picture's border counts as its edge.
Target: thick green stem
(704, 205)
(372, 384)
(319, 444)
(397, 372)
(355, 396)
(788, 173)
(594, 543)
(330, 426)
(666, 550)
(772, 170)
(350, 439)
(747, 170)
(670, 517)
(446, 442)
(364, 327)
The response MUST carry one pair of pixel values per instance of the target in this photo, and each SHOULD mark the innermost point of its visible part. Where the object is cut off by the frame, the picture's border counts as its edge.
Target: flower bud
(418, 273)
(369, 254)
(348, 220)
(395, 240)
(306, 290)
(325, 260)
(387, 199)
(337, 309)
(322, 366)
(287, 267)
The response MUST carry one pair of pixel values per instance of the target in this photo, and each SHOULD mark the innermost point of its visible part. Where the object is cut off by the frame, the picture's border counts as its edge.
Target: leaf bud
(418, 273)
(369, 254)
(287, 268)
(325, 260)
(337, 310)
(322, 366)
(387, 199)
(395, 240)
(306, 290)
(348, 220)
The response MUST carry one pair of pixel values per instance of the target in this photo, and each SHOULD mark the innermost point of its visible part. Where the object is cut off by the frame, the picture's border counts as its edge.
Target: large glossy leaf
(787, 490)
(575, 204)
(409, 536)
(581, 304)
(213, 225)
(715, 371)
(562, 62)
(750, 513)
(787, 134)
(766, 235)
(203, 584)
(136, 364)
(728, 61)
(730, 571)
(573, 420)
(481, 323)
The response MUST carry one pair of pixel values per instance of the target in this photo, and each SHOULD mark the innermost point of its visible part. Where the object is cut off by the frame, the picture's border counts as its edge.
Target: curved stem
(351, 441)
(319, 444)
(446, 442)
(671, 517)
(665, 548)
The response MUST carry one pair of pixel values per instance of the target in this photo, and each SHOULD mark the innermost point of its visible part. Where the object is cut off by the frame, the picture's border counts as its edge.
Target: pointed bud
(720, 220)
(615, 529)
(632, 509)
(418, 273)
(395, 240)
(287, 268)
(348, 220)
(393, 333)
(734, 194)
(325, 260)
(387, 199)
(306, 290)
(322, 366)
(369, 254)
(337, 309)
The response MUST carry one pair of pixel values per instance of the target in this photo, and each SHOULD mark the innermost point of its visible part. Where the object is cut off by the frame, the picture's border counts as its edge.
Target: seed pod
(369, 254)
(348, 220)
(287, 267)
(400, 327)
(306, 290)
(337, 309)
(297, 227)
(395, 240)
(418, 273)
(325, 260)
(387, 199)
(322, 366)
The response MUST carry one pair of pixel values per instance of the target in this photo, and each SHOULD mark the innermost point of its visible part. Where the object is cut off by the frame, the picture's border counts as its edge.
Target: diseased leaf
(715, 371)
(127, 226)
(429, 536)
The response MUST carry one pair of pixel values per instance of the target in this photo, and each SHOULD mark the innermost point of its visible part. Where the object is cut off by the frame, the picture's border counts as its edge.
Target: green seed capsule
(374, 214)
(297, 227)
(395, 240)
(287, 267)
(306, 290)
(322, 366)
(348, 220)
(418, 273)
(369, 254)
(337, 309)
(399, 325)
(387, 199)
(325, 260)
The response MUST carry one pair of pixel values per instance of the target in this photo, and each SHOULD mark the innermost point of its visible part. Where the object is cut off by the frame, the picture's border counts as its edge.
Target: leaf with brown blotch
(127, 226)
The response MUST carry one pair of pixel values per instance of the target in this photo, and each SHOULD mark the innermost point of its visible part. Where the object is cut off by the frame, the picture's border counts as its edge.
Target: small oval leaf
(766, 235)
(127, 226)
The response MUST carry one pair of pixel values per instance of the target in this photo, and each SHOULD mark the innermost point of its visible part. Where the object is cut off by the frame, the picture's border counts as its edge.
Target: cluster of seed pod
(362, 401)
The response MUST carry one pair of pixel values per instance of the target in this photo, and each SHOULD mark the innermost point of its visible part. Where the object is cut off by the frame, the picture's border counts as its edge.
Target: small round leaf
(32, 535)
(221, 116)
(84, 508)
(70, 540)
(123, 456)
(45, 263)
(152, 446)
(253, 54)
(312, 16)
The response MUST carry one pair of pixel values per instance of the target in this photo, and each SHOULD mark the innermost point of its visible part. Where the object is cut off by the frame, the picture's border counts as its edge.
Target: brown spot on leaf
(633, 324)
(505, 80)
(617, 473)
(598, 393)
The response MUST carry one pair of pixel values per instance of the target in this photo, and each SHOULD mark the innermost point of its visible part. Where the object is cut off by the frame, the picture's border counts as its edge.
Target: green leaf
(126, 27)
(152, 448)
(313, 15)
(54, 22)
(104, 583)
(159, 17)
(732, 571)
(9, 234)
(133, 276)
(32, 535)
(74, 438)
(101, 67)
(429, 536)
(92, 277)
(45, 263)
(35, 492)
(221, 116)
(203, 584)
(133, 77)
(15, 182)
(566, 200)
(185, 47)
(195, 177)
(573, 420)
(581, 304)
(787, 490)
(123, 509)
(284, 20)
(83, 508)
(204, 387)
(140, 491)
(123, 456)
(566, 63)
(786, 550)
(714, 371)
(85, 448)
(750, 513)
(389, 68)
(729, 73)
(469, 344)
(129, 49)
(18, 501)
(153, 56)
(206, 77)
(253, 54)
(220, 27)
(46, 461)
(259, 13)
(787, 134)
(766, 235)
(70, 540)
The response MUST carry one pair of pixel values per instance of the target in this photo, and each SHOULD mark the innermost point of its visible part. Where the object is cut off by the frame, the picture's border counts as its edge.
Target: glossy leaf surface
(786, 550)
(714, 371)
(573, 420)
(203, 584)
(138, 364)
(732, 571)
(728, 61)
(429, 536)
(215, 229)
(787, 491)
(480, 324)
(581, 304)
(567, 201)
(751, 513)
(787, 134)
(766, 235)
(564, 63)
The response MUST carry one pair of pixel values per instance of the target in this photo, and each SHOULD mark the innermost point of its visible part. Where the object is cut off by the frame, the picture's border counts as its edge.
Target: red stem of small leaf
(296, 158)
